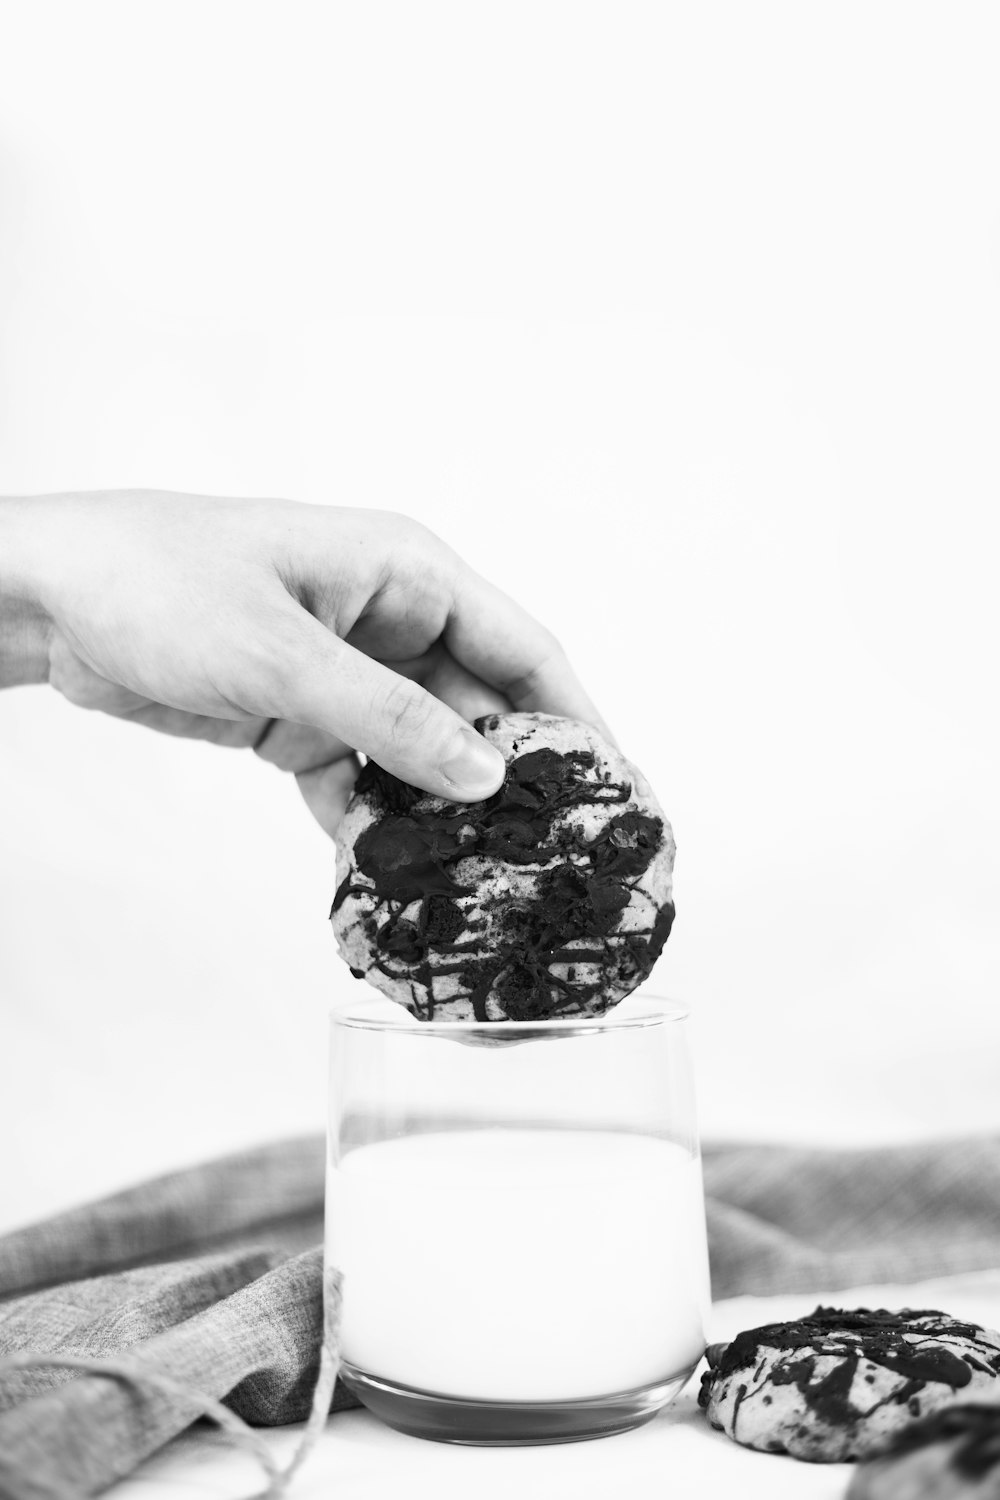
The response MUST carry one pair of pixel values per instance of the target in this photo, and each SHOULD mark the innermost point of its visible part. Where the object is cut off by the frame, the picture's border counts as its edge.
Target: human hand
(303, 632)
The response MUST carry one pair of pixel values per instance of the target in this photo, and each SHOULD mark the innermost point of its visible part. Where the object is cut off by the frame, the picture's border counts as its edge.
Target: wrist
(25, 626)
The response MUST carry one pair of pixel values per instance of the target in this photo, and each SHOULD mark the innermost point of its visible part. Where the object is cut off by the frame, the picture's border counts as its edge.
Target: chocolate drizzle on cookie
(532, 961)
(909, 1343)
(972, 1430)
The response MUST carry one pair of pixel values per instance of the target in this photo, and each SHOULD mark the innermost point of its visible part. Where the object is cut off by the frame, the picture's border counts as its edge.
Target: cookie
(837, 1385)
(552, 898)
(953, 1455)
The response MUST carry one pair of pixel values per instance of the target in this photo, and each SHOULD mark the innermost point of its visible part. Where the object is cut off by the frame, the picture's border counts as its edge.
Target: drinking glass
(517, 1213)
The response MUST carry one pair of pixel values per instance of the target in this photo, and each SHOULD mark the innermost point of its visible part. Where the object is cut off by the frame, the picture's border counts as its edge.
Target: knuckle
(549, 655)
(407, 713)
(406, 528)
(551, 648)
(415, 542)
(416, 562)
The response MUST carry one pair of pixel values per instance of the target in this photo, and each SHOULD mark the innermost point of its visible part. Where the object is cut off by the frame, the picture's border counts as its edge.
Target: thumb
(316, 678)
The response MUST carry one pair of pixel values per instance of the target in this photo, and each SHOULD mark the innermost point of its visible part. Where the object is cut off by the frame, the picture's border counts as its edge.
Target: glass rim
(656, 1010)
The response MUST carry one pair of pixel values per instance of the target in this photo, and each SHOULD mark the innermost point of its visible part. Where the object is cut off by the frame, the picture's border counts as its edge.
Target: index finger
(498, 640)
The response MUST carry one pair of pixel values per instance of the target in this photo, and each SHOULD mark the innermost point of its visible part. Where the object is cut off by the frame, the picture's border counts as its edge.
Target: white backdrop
(680, 321)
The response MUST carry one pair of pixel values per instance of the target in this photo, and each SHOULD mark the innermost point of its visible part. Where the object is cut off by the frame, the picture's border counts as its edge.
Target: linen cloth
(201, 1275)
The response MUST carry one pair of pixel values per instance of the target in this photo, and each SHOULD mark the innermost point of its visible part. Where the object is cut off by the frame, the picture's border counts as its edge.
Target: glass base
(498, 1424)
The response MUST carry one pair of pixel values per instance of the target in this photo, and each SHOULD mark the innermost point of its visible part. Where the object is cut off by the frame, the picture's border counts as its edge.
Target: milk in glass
(520, 1264)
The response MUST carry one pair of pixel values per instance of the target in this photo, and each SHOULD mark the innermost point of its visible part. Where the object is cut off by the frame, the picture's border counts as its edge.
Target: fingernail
(474, 769)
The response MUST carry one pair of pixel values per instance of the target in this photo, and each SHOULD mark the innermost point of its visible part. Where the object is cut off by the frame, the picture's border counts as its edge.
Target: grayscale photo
(499, 743)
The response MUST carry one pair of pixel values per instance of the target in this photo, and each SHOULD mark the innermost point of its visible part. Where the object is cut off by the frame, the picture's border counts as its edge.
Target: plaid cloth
(203, 1276)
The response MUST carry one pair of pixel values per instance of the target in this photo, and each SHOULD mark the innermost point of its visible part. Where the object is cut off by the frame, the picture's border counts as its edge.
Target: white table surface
(677, 1454)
